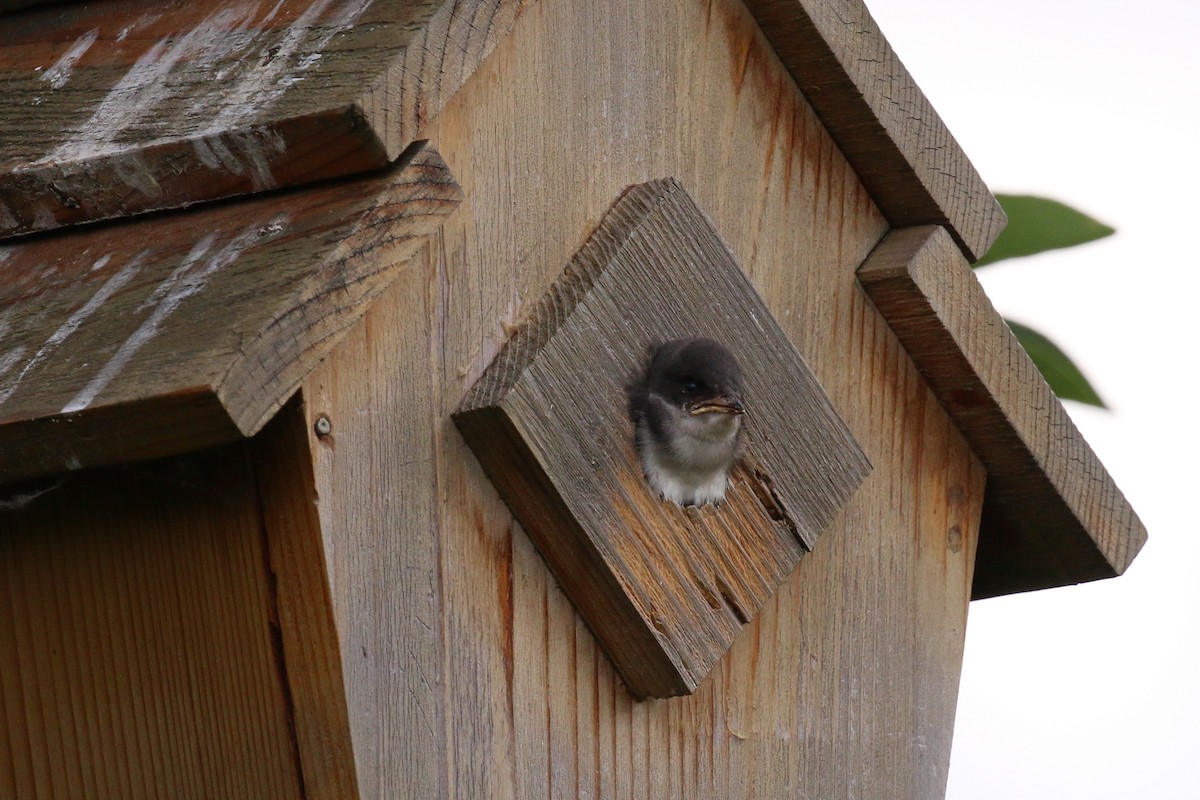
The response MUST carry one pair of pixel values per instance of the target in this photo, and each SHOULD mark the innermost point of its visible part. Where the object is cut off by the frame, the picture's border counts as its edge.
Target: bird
(687, 409)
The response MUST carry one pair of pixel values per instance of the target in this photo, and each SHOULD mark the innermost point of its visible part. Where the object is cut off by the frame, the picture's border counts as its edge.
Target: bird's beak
(718, 405)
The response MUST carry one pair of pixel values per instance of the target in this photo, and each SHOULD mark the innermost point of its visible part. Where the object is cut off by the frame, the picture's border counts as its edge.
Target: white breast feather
(694, 467)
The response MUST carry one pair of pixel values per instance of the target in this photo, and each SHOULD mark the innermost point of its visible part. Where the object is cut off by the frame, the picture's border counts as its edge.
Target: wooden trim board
(300, 600)
(1052, 514)
(902, 151)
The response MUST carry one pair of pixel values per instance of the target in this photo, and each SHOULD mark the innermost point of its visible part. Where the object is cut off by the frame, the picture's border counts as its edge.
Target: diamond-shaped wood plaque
(665, 589)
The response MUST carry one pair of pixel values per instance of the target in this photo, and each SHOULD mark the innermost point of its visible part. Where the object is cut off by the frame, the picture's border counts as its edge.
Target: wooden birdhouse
(318, 475)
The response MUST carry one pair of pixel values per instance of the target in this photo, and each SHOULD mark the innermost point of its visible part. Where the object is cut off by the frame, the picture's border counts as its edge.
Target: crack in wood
(739, 613)
(763, 487)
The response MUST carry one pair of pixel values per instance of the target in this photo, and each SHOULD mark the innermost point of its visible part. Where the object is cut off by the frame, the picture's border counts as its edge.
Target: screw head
(323, 426)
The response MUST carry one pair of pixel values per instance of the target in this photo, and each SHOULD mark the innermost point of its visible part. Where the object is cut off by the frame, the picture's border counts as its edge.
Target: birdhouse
(322, 473)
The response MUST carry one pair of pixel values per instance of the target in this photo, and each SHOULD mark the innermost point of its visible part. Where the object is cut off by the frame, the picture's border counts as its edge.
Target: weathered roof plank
(116, 108)
(889, 132)
(173, 332)
(1053, 515)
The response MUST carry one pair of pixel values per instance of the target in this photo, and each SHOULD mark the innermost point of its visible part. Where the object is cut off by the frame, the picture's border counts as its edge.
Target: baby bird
(686, 412)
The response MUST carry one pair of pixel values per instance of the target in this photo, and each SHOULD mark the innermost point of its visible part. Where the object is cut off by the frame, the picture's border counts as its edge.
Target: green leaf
(1060, 371)
(1036, 224)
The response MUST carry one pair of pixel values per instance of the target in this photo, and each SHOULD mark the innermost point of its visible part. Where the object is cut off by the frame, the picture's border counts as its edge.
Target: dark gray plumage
(686, 410)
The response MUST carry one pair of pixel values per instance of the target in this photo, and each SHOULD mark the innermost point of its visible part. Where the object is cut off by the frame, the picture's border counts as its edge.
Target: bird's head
(697, 376)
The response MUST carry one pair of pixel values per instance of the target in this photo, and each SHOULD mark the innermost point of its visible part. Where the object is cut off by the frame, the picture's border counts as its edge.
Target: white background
(1089, 692)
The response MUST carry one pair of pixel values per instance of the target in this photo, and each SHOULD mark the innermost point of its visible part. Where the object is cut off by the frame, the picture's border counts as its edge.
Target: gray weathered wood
(1052, 515)
(114, 108)
(380, 522)
(883, 123)
(665, 589)
(177, 332)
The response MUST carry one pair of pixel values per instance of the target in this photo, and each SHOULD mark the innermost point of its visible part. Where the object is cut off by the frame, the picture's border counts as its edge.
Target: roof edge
(1052, 514)
(880, 119)
(311, 94)
(193, 329)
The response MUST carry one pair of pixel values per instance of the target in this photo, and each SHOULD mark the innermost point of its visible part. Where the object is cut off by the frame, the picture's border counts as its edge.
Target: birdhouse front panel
(510, 692)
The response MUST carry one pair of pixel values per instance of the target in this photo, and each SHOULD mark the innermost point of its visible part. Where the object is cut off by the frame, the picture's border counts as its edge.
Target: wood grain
(302, 619)
(127, 106)
(138, 340)
(137, 654)
(380, 506)
(666, 590)
(468, 673)
(1053, 515)
(459, 626)
(904, 155)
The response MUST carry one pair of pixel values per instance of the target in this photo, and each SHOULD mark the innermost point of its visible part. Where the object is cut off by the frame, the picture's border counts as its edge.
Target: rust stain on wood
(883, 123)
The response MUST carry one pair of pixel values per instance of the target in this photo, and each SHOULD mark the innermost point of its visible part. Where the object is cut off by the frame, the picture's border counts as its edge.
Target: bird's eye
(691, 387)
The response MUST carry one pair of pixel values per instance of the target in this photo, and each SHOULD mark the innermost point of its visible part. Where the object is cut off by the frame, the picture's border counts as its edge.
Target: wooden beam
(139, 340)
(113, 109)
(381, 503)
(665, 589)
(880, 119)
(1052, 515)
(299, 596)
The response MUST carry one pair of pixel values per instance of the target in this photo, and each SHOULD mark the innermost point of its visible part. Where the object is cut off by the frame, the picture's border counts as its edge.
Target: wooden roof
(1052, 514)
(119, 108)
(138, 340)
